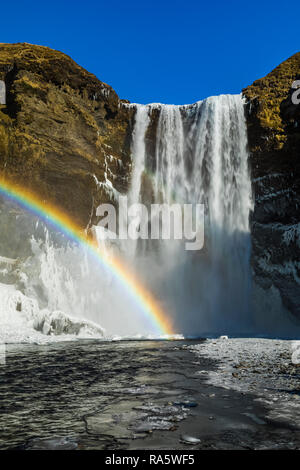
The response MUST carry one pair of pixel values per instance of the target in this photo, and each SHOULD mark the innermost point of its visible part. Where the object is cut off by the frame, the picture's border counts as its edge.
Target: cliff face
(274, 141)
(66, 135)
(62, 131)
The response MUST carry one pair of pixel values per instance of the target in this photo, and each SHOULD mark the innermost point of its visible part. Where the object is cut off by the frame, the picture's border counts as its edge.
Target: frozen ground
(268, 368)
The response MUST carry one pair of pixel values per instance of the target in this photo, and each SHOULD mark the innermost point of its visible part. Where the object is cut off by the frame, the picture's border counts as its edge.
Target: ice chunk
(189, 439)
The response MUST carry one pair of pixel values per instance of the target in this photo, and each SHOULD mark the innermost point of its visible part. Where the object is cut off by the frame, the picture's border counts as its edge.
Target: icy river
(205, 394)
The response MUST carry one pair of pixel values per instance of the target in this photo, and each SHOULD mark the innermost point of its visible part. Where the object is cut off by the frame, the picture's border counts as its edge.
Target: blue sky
(162, 51)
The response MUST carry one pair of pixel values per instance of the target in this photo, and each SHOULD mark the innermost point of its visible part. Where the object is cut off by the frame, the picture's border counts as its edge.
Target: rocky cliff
(63, 132)
(274, 140)
(66, 135)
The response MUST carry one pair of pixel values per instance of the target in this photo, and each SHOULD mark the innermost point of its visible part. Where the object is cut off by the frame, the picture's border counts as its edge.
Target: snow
(267, 177)
(270, 195)
(263, 367)
(107, 186)
(288, 268)
(292, 234)
(22, 321)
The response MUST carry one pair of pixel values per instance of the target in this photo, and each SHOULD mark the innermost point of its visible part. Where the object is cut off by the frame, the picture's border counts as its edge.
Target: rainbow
(53, 216)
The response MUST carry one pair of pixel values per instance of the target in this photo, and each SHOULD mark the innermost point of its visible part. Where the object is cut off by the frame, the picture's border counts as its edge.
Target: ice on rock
(21, 320)
(59, 323)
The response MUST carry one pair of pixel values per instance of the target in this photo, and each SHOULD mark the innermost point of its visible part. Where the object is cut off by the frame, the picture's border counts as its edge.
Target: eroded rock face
(66, 135)
(274, 140)
(63, 132)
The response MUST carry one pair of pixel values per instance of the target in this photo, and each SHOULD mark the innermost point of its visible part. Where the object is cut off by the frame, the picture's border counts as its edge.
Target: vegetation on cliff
(274, 142)
(269, 99)
(63, 132)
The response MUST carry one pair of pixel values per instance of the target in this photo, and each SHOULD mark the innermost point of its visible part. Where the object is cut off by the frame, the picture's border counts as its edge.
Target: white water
(200, 157)
(198, 154)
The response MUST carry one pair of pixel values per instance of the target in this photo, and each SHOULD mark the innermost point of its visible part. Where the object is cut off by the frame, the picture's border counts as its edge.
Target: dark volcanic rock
(274, 140)
(66, 135)
(62, 131)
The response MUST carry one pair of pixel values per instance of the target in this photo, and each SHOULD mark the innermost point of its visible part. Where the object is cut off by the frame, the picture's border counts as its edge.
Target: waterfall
(138, 150)
(198, 155)
(192, 154)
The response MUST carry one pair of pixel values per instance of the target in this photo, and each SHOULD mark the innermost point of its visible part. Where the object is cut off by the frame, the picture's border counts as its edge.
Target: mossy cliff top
(53, 66)
(273, 120)
(62, 131)
(266, 97)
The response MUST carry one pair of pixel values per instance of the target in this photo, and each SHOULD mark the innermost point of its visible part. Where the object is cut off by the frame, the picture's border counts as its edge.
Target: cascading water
(181, 154)
(200, 156)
